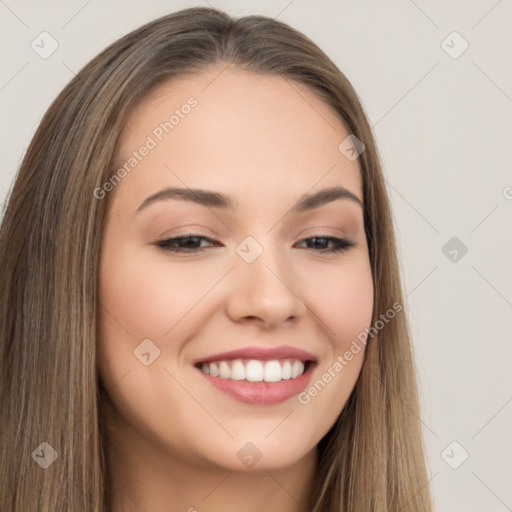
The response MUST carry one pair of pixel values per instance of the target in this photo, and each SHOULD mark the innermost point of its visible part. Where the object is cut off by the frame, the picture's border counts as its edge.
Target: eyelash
(341, 244)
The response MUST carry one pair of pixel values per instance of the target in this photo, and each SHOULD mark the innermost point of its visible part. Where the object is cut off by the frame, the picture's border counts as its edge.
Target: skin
(172, 438)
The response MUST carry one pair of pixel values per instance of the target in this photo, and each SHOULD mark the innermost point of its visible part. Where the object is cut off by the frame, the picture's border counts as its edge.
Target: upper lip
(260, 353)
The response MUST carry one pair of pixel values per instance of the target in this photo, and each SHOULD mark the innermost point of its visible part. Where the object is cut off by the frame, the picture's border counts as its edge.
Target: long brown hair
(370, 460)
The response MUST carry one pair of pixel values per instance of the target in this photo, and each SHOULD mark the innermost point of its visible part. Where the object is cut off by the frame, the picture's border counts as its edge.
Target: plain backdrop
(441, 114)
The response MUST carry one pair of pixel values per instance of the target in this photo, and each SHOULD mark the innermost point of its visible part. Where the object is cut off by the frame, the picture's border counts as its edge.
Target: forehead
(246, 133)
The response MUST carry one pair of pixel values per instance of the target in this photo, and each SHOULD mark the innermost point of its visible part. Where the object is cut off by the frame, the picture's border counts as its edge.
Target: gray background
(443, 128)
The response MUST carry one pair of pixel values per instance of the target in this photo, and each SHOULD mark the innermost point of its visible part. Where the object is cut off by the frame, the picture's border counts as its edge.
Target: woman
(201, 307)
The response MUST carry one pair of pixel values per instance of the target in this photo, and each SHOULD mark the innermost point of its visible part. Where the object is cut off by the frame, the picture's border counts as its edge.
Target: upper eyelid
(211, 239)
(315, 232)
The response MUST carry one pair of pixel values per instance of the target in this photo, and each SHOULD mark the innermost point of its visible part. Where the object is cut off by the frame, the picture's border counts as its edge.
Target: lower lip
(261, 393)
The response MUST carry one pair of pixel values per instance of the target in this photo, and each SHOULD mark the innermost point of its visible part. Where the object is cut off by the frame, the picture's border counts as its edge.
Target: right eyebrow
(201, 197)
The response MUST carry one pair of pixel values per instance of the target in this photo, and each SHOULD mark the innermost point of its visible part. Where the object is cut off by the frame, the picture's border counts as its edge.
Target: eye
(192, 243)
(188, 243)
(339, 244)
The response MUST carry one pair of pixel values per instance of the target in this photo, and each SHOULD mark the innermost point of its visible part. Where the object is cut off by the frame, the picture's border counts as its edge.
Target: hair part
(50, 240)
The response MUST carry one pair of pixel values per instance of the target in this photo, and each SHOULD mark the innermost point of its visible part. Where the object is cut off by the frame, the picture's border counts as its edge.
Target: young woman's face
(251, 291)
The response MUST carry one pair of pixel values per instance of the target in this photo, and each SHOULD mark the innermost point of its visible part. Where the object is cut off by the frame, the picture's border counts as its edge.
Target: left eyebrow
(212, 199)
(311, 201)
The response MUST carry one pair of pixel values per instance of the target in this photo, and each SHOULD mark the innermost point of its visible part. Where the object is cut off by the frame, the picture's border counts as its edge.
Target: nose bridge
(264, 285)
(261, 259)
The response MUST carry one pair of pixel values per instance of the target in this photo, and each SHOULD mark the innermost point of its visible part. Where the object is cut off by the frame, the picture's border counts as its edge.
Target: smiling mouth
(258, 375)
(254, 370)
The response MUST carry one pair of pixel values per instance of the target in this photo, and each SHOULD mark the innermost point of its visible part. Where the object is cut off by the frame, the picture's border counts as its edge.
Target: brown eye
(189, 243)
(320, 242)
(192, 243)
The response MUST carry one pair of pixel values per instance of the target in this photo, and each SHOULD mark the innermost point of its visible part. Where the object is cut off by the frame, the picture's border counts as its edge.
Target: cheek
(343, 300)
(128, 311)
(343, 304)
(145, 298)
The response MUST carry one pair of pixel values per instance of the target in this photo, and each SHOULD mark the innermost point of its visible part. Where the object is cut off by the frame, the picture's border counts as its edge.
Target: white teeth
(272, 372)
(297, 369)
(238, 370)
(214, 370)
(287, 370)
(254, 370)
(224, 370)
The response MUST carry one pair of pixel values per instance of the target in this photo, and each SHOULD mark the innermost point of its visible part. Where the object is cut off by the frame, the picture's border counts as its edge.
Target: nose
(265, 291)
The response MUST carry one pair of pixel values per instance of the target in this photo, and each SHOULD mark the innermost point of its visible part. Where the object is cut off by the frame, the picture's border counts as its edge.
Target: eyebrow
(212, 199)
